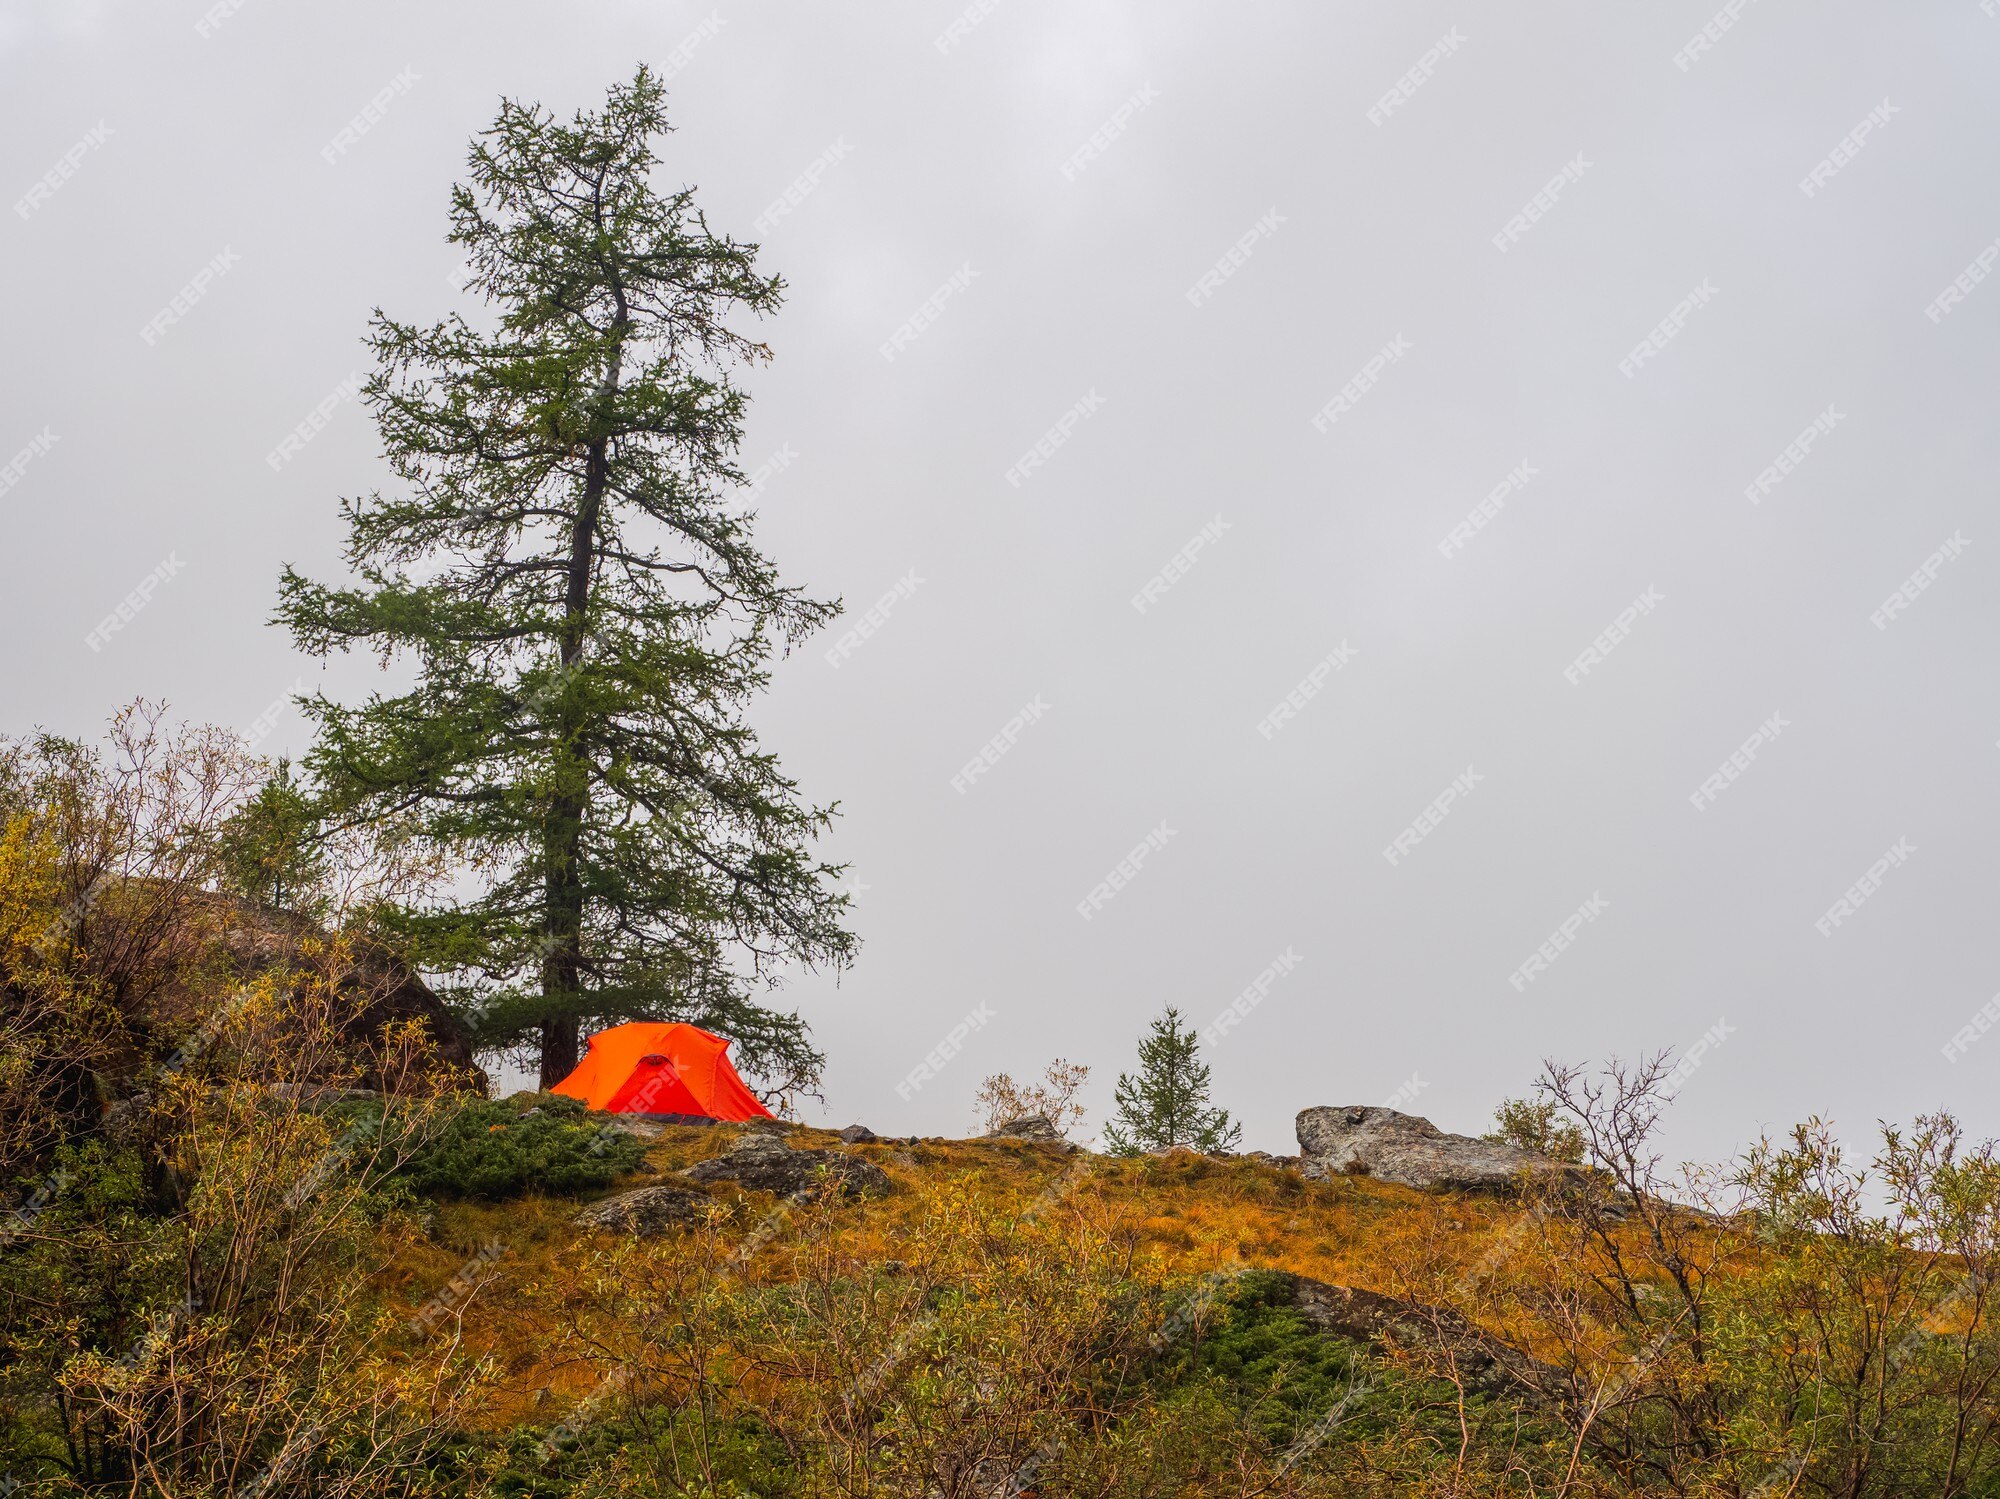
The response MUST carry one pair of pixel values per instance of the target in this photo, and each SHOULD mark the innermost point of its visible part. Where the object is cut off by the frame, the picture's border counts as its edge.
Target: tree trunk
(562, 844)
(562, 963)
(559, 1042)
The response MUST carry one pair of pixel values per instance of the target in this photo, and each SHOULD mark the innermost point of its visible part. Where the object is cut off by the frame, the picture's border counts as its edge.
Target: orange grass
(1178, 1215)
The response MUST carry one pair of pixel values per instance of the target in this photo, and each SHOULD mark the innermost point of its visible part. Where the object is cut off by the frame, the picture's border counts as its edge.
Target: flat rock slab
(765, 1163)
(646, 1213)
(638, 1128)
(1361, 1140)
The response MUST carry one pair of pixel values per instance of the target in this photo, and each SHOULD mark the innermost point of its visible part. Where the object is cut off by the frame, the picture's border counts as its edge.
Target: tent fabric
(650, 1067)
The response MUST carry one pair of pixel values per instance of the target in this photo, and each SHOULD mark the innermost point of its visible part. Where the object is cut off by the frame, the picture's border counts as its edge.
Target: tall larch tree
(586, 611)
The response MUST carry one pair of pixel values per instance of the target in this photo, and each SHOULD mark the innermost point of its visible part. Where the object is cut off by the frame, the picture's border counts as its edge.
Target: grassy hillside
(247, 1285)
(985, 1268)
(261, 1241)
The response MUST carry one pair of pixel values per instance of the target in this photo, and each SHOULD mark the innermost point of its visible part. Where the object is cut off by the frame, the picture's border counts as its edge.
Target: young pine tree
(586, 611)
(1167, 1103)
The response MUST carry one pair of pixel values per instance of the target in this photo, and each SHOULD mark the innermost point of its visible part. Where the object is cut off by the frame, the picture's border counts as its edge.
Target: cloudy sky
(1484, 515)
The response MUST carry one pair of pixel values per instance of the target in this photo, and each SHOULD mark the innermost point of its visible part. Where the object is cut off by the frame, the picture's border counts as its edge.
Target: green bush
(648, 1450)
(533, 1142)
(1286, 1373)
(1312, 1396)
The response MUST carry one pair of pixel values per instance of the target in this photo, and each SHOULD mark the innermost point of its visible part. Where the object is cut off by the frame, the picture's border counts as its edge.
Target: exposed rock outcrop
(1037, 1127)
(381, 990)
(638, 1126)
(648, 1212)
(1381, 1321)
(763, 1162)
(1360, 1140)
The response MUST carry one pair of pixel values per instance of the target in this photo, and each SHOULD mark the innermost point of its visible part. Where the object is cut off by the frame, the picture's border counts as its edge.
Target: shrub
(531, 1142)
(1535, 1125)
(1286, 1373)
(1001, 1100)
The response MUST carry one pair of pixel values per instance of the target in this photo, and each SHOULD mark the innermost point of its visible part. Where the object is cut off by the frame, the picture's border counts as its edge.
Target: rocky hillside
(1395, 1310)
(1187, 1212)
(1347, 1256)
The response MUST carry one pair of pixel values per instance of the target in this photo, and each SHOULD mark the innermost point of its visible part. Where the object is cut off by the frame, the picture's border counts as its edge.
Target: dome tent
(668, 1071)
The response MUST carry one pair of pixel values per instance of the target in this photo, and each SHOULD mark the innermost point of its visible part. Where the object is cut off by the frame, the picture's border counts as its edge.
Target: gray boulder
(634, 1125)
(765, 1163)
(647, 1212)
(1036, 1127)
(859, 1134)
(1360, 1140)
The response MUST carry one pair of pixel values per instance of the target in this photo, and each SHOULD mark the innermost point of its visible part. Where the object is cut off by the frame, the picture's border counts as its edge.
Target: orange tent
(646, 1067)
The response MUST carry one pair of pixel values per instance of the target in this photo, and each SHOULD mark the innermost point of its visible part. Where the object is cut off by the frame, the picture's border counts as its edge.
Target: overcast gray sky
(1740, 246)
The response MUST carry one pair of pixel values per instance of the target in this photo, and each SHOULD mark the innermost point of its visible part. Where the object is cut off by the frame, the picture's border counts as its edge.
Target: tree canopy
(586, 610)
(1166, 1103)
